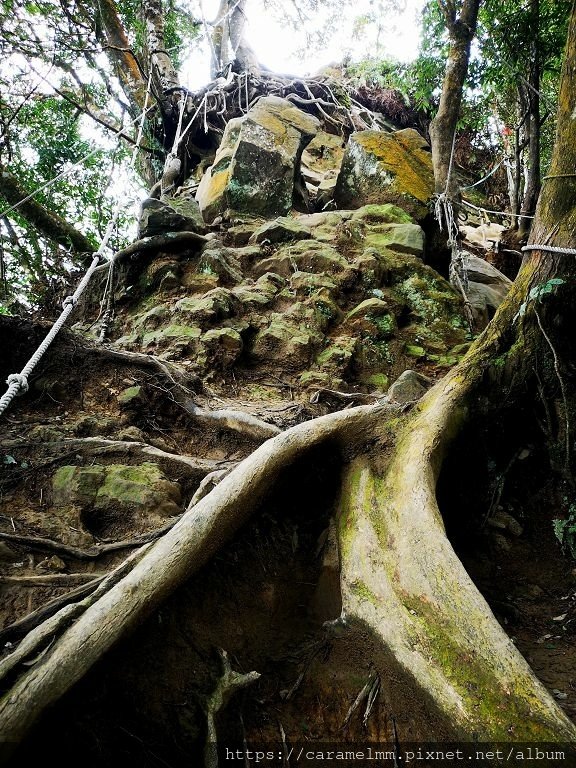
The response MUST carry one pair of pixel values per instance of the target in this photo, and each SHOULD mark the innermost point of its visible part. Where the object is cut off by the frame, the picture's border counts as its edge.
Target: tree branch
(47, 223)
(115, 44)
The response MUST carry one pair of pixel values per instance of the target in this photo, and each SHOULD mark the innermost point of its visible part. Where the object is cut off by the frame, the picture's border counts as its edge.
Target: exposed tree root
(156, 243)
(27, 623)
(399, 576)
(237, 421)
(169, 562)
(48, 545)
(99, 446)
(42, 635)
(50, 579)
(228, 684)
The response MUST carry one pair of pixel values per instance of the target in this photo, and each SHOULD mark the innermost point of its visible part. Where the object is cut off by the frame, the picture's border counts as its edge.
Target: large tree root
(170, 561)
(400, 577)
(238, 421)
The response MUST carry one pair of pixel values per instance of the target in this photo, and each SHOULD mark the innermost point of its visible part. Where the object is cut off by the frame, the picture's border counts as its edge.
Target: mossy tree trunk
(461, 29)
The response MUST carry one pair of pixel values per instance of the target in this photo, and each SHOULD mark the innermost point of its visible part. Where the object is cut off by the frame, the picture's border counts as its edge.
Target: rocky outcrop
(381, 167)
(486, 287)
(112, 499)
(337, 299)
(256, 164)
(158, 217)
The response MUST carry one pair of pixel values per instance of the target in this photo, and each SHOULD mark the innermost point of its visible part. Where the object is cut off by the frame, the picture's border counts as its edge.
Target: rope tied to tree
(550, 249)
(444, 214)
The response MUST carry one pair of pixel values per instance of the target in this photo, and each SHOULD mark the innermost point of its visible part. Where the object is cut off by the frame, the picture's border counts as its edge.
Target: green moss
(129, 394)
(379, 381)
(364, 593)
(492, 706)
(171, 332)
(382, 214)
(415, 351)
(129, 484)
(62, 479)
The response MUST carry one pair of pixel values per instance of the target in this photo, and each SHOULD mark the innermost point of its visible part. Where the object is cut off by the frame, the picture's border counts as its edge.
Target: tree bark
(115, 42)
(160, 59)
(533, 128)
(461, 30)
(229, 41)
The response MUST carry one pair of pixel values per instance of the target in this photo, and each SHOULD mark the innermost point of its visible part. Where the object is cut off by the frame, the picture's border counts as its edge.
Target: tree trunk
(115, 44)
(160, 60)
(461, 31)
(228, 40)
(533, 182)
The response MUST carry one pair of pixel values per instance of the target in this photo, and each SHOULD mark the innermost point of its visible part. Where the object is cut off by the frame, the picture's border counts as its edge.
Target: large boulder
(256, 164)
(380, 167)
(115, 499)
(486, 286)
(157, 217)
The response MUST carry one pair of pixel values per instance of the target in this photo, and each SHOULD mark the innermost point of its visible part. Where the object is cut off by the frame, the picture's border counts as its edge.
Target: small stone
(130, 396)
(131, 434)
(408, 387)
(53, 563)
(281, 230)
(560, 695)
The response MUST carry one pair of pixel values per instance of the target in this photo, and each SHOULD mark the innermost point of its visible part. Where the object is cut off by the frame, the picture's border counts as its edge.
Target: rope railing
(18, 382)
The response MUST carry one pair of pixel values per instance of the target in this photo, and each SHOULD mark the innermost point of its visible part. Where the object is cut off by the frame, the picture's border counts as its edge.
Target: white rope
(183, 99)
(444, 212)
(550, 249)
(485, 178)
(18, 382)
(503, 214)
(69, 170)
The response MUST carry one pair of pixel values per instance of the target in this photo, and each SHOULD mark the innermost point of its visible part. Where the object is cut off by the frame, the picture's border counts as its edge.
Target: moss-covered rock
(221, 348)
(401, 238)
(215, 259)
(286, 341)
(372, 317)
(381, 167)
(217, 304)
(130, 396)
(304, 256)
(308, 283)
(338, 356)
(115, 498)
(255, 166)
(166, 336)
(280, 230)
(382, 214)
(157, 217)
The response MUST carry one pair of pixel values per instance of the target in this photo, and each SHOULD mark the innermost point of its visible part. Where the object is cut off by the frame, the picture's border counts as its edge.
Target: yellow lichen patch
(402, 154)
